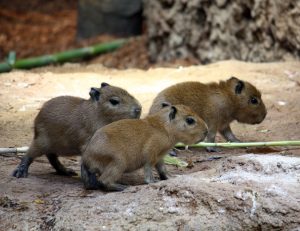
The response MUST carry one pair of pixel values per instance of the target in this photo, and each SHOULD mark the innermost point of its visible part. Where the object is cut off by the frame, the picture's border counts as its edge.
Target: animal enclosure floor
(34, 202)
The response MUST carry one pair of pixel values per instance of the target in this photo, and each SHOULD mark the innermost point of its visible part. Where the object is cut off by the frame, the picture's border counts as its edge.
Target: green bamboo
(199, 145)
(172, 160)
(241, 145)
(62, 56)
(5, 67)
(11, 59)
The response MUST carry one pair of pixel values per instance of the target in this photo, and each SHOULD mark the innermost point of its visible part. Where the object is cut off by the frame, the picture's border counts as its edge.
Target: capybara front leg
(60, 169)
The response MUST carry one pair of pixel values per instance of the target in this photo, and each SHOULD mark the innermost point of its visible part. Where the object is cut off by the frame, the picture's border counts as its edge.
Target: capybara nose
(137, 112)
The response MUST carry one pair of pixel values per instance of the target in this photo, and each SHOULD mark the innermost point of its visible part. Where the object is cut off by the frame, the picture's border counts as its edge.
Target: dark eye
(114, 101)
(190, 121)
(253, 100)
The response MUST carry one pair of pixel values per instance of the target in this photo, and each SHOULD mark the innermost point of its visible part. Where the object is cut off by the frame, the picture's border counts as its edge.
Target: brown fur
(217, 103)
(64, 124)
(127, 145)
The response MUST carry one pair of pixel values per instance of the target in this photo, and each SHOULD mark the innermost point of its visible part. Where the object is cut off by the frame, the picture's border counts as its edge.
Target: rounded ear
(104, 84)
(238, 84)
(165, 104)
(95, 94)
(233, 78)
(173, 112)
(239, 87)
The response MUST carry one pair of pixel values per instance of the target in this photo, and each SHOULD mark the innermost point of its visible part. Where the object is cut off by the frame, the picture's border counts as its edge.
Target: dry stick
(199, 145)
(175, 161)
(242, 145)
(13, 150)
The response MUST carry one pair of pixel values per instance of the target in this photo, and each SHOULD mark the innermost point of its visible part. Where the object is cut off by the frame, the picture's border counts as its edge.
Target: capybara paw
(67, 172)
(235, 140)
(115, 187)
(172, 152)
(163, 177)
(150, 181)
(212, 149)
(20, 172)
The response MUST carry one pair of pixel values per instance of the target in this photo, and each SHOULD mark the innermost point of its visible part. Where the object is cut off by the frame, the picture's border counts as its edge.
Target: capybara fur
(66, 123)
(127, 145)
(218, 104)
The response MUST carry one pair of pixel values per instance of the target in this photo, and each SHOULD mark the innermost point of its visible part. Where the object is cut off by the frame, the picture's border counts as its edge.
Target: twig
(241, 145)
(199, 145)
(13, 150)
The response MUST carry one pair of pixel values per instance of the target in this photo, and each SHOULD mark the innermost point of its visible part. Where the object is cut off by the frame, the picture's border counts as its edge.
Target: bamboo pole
(13, 150)
(241, 145)
(61, 56)
(198, 145)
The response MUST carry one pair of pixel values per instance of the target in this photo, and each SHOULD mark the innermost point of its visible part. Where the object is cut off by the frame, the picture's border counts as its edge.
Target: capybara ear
(232, 78)
(237, 84)
(104, 84)
(173, 113)
(95, 94)
(239, 87)
(165, 104)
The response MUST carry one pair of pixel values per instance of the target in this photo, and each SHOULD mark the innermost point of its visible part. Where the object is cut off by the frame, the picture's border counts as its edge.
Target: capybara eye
(114, 101)
(190, 121)
(253, 100)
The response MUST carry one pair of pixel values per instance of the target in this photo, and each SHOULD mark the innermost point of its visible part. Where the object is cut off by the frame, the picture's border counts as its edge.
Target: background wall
(254, 30)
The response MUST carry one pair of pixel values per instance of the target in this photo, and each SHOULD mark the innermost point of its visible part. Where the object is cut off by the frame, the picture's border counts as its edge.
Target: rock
(247, 192)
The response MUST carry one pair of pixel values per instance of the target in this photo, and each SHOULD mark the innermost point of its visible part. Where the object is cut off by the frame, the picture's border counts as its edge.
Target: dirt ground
(191, 198)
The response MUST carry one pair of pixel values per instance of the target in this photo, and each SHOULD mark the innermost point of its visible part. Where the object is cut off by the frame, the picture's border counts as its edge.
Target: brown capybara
(218, 104)
(66, 123)
(127, 145)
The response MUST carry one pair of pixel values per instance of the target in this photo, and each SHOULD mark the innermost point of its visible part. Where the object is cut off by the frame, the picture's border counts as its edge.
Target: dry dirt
(245, 189)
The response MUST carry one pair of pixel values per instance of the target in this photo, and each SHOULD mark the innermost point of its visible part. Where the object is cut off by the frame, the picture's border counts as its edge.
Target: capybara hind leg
(22, 169)
(161, 169)
(89, 179)
(110, 175)
(60, 169)
(148, 174)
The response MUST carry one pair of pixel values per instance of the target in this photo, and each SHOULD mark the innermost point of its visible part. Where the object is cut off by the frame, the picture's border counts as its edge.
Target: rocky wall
(211, 30)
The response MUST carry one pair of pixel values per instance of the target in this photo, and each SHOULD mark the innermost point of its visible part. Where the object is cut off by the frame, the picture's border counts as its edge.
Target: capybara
(127, 145)
(218, 104)
(66, 123)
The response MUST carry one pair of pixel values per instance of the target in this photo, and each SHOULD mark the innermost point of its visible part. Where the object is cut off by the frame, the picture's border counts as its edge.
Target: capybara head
(249, 107)
(115, 103)
(186, 126)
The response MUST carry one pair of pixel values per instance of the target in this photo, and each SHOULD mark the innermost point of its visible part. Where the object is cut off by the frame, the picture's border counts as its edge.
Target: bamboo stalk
(62, 56)
(199, 145)
(242, 145)
(13, 150)
(5, 67)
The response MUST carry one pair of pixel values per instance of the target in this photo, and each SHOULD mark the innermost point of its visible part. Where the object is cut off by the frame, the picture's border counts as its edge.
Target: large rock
(249, 192)
(257, 30)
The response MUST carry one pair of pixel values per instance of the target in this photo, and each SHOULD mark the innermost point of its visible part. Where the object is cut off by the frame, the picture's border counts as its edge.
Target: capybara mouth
(137, 113)
(200, 140)
(258, 121)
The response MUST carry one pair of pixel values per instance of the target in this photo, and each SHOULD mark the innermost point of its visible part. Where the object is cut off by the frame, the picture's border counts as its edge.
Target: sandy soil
(45, 201)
